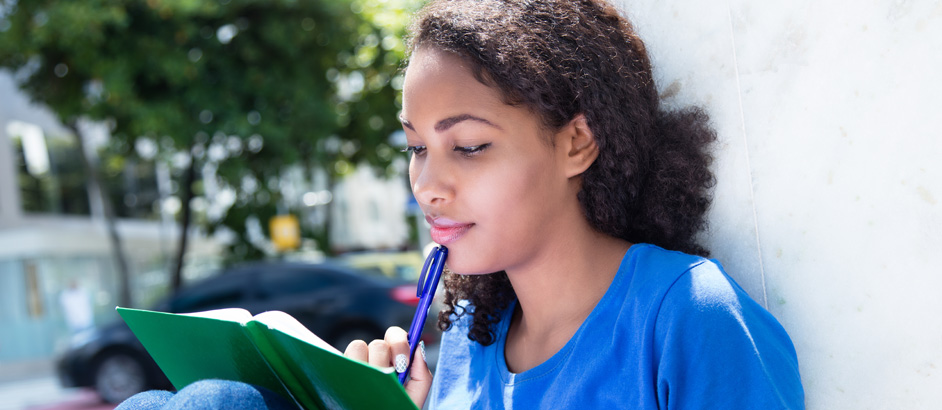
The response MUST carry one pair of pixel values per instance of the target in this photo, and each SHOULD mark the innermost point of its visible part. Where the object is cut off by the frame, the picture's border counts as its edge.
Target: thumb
(420, 381)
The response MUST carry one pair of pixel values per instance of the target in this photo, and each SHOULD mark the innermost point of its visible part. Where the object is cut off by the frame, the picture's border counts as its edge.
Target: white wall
(827, 208)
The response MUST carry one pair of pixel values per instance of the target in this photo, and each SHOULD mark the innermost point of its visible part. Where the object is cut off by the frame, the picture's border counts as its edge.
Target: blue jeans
(209, 394)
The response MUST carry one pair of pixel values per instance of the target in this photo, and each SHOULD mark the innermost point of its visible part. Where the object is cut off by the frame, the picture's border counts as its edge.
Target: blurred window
(49, 171)
(52, 179)
(407, 272)
(373, 271)
(132, 184)
(13, 299)
(34, 294)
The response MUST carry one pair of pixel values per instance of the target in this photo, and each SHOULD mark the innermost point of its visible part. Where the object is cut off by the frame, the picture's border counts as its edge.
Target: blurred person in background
(76, 306)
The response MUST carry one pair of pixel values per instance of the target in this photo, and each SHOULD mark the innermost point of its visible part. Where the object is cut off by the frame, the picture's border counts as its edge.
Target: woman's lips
(445, 231)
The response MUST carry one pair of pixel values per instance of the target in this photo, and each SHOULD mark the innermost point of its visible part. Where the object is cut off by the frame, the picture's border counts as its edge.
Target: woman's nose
(432, 182)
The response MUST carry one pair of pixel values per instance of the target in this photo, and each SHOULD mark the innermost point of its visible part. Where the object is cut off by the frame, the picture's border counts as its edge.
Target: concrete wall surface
(827, 205)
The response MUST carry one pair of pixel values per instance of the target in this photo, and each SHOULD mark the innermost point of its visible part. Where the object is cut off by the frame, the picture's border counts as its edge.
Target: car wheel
(118, 377)
(344, 337)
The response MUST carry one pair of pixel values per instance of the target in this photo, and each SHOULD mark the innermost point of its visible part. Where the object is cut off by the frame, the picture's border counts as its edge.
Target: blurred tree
(239, 89)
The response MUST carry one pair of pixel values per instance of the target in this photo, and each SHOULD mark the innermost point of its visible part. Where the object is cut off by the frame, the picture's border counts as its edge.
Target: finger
(420, 381)
(398, 342)
(379, 354)
(357, 350)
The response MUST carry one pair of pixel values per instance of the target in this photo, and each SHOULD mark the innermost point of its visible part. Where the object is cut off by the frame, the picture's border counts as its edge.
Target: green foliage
(270, 80)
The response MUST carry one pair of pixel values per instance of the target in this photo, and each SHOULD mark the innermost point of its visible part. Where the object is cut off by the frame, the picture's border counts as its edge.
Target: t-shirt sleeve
(716, 348)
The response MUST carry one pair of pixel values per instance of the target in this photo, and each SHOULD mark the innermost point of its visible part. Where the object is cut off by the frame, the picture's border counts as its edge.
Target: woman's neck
(557, 290)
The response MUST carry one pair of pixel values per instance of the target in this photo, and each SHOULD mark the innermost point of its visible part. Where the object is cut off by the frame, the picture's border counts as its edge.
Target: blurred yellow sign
(285, 232)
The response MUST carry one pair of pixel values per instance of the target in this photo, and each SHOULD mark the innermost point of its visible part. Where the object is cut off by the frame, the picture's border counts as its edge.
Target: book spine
(292, 382)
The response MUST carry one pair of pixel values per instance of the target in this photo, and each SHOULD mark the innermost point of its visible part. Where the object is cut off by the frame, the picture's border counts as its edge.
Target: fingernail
(422, 349)
(402, 363)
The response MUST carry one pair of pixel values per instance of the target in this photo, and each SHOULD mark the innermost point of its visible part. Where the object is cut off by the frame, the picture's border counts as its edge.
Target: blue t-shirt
(673, 331)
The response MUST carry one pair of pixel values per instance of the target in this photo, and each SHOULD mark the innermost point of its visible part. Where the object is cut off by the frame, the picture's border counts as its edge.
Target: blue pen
(425, 290)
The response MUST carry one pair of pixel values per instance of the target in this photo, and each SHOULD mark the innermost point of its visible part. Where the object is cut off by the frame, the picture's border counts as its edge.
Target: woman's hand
(392, 349)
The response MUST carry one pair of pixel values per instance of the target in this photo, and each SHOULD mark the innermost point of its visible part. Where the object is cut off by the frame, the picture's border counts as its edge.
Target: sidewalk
(34, 386)
(25, 394)
(25, 385)
(24, 370)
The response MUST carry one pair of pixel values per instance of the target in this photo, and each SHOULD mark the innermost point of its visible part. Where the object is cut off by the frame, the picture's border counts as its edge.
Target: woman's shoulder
(681, 282)
(653, 257)
(655, 270)
(693, 294)
(705, 327)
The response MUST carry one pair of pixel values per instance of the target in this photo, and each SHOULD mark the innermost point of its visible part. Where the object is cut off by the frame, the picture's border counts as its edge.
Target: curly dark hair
(651, 181)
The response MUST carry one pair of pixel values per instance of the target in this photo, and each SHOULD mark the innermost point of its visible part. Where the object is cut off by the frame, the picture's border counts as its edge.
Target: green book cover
(270, 349)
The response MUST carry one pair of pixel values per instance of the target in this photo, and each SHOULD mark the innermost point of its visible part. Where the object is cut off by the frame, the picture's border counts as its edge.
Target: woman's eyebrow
(449, 122)
(406, 123)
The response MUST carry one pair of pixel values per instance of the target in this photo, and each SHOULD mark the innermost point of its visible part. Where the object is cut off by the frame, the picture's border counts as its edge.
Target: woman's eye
(414, 149)
(472, 150)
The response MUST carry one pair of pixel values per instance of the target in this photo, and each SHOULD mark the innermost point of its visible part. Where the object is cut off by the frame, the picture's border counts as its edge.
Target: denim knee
(148, 400)
(223, 394)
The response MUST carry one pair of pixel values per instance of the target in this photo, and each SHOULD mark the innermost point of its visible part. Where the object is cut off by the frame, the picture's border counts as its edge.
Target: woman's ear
(579, 146)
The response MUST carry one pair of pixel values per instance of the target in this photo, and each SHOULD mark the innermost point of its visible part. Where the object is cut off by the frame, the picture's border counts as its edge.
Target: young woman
(567, 197)
(542, 159)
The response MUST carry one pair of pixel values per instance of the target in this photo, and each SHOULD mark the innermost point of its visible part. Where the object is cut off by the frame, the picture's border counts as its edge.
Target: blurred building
(368, 212)
(53, 234)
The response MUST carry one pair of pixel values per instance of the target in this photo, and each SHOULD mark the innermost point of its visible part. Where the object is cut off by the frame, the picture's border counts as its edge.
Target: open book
(271, 349)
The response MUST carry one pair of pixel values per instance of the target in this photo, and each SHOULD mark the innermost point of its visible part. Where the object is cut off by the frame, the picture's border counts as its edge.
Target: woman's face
(484, 173)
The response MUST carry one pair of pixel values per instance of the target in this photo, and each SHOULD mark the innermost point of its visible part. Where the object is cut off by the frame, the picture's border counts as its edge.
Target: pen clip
(420, 286)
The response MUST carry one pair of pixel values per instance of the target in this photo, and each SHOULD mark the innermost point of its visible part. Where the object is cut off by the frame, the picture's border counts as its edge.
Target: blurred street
(33, 386)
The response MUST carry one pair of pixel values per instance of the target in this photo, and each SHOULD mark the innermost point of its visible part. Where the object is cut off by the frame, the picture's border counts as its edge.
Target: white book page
(286, 323)
(237, 315)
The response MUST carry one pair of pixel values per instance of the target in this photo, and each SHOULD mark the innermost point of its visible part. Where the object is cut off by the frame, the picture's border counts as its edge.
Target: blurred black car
(335, 302)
